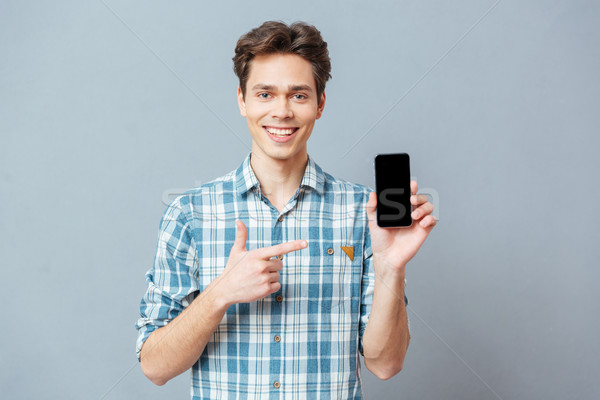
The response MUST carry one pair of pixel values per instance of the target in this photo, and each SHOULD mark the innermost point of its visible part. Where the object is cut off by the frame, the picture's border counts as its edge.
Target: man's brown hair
(274, 37)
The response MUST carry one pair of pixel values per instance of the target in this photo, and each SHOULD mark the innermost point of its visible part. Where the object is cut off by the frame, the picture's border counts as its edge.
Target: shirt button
(330, 251)
(280, 257)
(277, 384)
(279, 298)
(278, 338)
(280, 219)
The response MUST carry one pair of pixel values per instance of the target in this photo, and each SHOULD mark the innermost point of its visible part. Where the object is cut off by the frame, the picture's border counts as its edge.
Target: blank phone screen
(392, 182)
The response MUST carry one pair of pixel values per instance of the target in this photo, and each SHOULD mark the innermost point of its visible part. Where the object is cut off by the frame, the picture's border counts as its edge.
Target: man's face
(280, 105)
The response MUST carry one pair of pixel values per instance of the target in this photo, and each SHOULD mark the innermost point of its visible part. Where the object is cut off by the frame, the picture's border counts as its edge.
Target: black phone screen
(392, 184)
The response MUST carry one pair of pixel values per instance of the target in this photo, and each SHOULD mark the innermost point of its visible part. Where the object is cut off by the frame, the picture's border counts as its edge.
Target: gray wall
(107, 105)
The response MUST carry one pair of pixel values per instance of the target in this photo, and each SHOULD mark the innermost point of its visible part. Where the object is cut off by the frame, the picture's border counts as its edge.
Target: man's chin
(279, 155)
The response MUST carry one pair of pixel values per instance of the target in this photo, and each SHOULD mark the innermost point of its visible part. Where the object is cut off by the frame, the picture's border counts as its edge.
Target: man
(269, 281)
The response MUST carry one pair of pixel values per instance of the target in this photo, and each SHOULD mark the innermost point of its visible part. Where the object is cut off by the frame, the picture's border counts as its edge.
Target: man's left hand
(393, 248)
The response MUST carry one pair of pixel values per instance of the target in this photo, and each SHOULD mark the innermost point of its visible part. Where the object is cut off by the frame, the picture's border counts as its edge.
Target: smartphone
(392, 185)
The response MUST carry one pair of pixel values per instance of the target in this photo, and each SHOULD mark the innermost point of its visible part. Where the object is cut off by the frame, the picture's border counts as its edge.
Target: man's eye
(300, 97)
(263, 95)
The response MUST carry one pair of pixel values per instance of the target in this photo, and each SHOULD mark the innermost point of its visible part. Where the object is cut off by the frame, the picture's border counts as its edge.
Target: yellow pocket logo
(349, 250)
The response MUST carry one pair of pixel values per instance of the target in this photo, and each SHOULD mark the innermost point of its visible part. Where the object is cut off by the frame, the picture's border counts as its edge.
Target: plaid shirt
(301, 342)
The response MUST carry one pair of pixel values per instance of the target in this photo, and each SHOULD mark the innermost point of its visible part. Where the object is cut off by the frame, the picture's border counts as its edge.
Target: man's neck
(279, 179)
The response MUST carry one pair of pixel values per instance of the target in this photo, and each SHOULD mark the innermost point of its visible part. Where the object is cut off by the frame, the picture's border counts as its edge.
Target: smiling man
(269, 281)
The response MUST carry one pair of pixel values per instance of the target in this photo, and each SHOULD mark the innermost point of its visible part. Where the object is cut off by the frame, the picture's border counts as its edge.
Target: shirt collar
(245, 179)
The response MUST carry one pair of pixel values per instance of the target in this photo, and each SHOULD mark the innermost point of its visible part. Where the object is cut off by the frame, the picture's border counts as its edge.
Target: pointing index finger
(283, 248)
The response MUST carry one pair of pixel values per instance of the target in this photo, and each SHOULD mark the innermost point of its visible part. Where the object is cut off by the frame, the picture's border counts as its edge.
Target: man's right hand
(252, 275)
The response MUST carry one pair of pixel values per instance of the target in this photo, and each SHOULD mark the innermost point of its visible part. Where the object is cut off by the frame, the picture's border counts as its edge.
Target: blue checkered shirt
(301, 342)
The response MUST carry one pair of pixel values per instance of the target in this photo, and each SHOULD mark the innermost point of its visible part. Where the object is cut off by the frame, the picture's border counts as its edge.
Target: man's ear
(321, 106)
(241, 103)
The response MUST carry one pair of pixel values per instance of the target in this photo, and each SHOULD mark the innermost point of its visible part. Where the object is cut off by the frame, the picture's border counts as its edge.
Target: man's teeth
(281, 132)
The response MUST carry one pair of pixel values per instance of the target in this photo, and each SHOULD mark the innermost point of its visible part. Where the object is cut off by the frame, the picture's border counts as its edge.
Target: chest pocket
(332, 274)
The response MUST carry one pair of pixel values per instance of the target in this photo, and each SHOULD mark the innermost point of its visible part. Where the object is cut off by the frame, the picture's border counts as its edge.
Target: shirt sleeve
(172, 280)
(368, 288)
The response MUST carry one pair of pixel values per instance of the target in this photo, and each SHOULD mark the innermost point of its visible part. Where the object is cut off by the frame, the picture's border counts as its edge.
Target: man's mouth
(280, 132)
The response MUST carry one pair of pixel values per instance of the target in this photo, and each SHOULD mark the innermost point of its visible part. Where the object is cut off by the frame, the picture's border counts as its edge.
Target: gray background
(107, 106)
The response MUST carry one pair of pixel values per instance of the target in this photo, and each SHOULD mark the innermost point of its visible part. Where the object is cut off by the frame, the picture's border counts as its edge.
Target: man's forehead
(280, 71)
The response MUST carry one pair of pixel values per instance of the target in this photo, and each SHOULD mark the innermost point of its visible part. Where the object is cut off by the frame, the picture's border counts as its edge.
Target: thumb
(241, 236)
(371, 207)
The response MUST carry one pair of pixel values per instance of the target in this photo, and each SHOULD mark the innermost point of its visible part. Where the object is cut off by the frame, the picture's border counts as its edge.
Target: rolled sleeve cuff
(145, 327)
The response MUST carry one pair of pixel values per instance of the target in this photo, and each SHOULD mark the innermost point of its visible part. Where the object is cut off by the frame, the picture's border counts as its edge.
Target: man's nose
(282, 109)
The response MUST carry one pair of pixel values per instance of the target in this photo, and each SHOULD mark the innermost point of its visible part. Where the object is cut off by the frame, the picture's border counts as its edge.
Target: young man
(269, 281)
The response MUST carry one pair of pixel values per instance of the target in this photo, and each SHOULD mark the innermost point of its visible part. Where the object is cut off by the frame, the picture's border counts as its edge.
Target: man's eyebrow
(263, 86)
(299, 88)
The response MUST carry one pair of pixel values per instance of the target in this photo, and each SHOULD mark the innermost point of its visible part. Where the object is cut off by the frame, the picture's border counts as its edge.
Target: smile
(280, 132)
